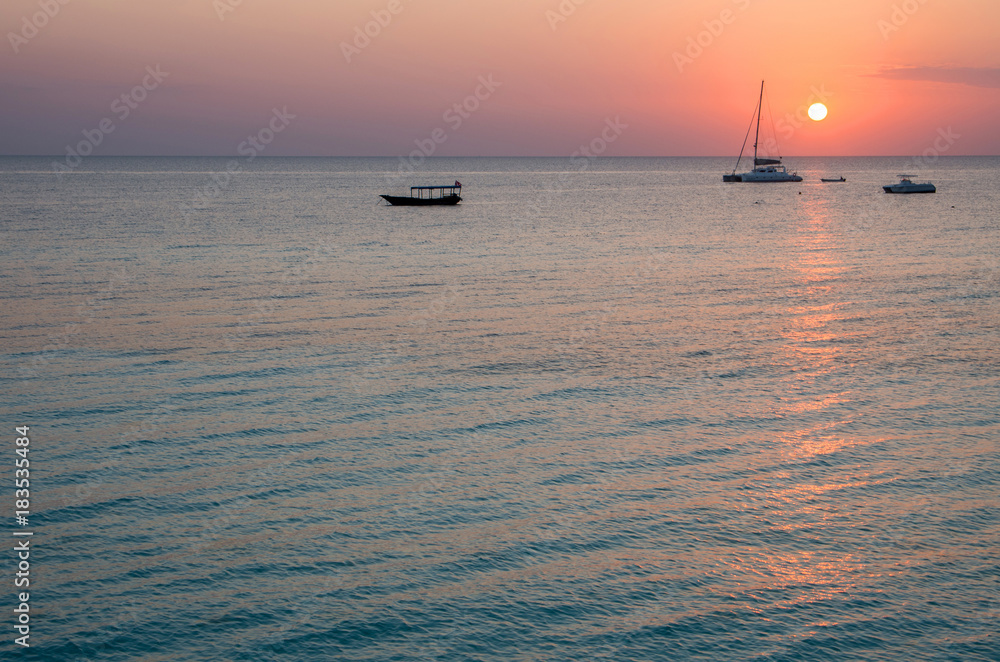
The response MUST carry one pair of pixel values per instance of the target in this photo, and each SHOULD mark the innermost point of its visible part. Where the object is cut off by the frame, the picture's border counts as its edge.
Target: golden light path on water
(818, 350)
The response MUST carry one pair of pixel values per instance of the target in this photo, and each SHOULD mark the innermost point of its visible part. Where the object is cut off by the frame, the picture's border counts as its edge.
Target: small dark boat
(827, 179)
(427, 195)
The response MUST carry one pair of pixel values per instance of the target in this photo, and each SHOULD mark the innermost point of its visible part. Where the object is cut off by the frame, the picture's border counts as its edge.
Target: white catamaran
(764, 169)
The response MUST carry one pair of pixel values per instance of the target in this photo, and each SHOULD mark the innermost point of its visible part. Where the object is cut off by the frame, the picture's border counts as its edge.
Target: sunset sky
(682, 75)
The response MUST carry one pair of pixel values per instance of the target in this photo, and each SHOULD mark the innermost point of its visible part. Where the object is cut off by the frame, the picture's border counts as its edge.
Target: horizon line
(480, 156)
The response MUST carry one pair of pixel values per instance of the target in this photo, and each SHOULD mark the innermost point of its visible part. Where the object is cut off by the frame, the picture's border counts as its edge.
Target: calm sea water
(628, 413)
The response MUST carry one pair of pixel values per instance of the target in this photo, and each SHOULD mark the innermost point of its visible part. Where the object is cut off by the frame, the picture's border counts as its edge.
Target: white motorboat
(765, 169)
(907, 185)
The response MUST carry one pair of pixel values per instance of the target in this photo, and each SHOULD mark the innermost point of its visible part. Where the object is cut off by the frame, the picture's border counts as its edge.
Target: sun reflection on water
(816, 345)
(806, 505)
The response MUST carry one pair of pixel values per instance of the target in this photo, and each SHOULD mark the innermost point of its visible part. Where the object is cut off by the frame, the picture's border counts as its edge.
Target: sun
(817, 111)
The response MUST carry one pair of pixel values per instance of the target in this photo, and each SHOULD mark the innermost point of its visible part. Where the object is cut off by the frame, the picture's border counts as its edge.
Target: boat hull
(407, 201)
(754, 176)
(912, 188)
(839, 179)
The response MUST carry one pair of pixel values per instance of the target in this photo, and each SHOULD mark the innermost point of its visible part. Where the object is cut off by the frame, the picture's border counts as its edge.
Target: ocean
(604, 409)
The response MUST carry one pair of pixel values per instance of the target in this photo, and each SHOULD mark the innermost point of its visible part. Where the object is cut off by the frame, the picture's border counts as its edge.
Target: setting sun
(817, 111)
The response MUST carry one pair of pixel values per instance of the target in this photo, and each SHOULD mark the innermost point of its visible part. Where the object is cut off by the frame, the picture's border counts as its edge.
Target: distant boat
(907, 185)
(764, 170)
(428, 195)
(827, 179)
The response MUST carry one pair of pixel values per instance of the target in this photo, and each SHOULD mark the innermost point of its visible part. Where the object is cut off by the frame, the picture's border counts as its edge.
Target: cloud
(973, 76)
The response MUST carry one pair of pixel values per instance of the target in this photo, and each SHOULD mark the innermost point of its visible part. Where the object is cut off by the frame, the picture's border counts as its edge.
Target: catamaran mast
(757, 134)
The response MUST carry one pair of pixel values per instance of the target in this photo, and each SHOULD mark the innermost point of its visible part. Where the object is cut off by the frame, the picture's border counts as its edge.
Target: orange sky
(895, 74)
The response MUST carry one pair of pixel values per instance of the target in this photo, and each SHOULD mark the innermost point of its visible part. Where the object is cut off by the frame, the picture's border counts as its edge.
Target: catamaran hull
(406, 201)
(768, 177)
(764, 174)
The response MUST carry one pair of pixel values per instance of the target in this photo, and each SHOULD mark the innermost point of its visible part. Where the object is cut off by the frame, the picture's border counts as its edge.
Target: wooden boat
(427, 195)
(827, 179)
(907, 185)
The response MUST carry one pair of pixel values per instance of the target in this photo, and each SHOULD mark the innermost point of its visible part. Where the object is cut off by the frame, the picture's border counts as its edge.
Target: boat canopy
(436, 191)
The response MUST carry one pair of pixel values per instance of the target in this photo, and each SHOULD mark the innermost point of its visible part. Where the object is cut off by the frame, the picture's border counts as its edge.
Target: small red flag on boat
(458, 183)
